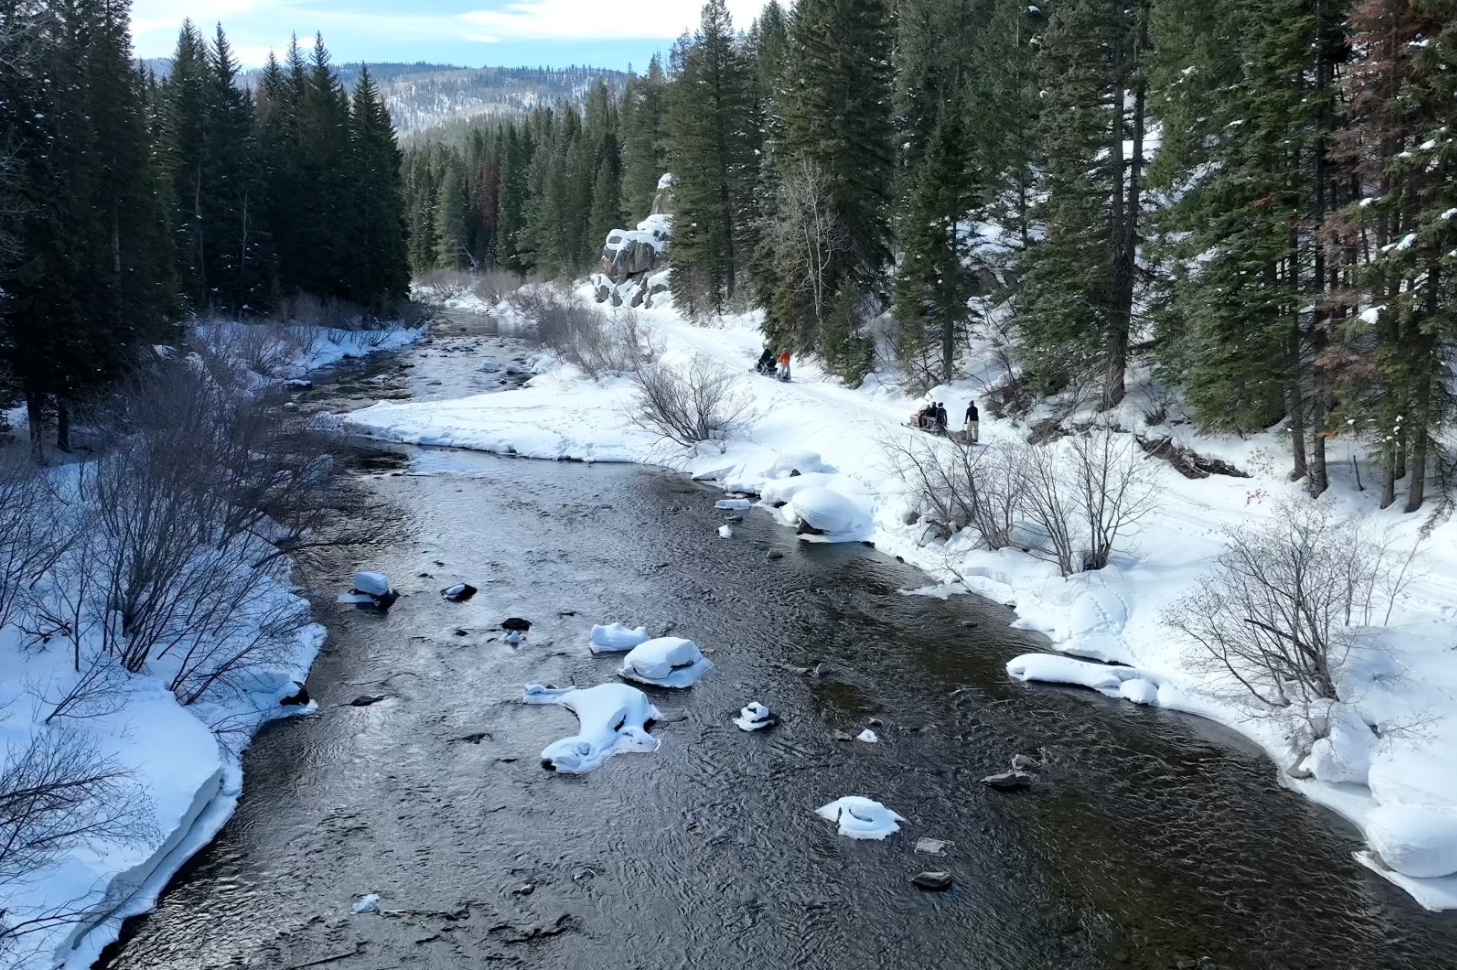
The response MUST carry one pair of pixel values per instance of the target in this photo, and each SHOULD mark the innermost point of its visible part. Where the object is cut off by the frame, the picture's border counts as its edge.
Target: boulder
(1022, 762)
(298, 697)
(365, 700)
(459, 593)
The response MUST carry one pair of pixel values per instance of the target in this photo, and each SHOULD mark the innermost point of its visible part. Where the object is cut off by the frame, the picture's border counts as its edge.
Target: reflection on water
(1149, 839)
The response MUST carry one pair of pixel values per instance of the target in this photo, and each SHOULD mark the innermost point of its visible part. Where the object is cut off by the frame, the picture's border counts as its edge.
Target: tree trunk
(1130, 39)
(35, 417)
(63, 426)
(1295, 406)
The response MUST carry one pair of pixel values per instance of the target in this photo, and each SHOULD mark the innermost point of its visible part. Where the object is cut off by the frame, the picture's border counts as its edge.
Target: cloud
(592, 19)
(152, 16)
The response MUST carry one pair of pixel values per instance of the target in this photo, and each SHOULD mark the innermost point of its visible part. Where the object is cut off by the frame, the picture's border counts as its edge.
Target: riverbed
(1149, 839)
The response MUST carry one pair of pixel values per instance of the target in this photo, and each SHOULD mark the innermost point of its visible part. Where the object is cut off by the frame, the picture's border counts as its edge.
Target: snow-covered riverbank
(181, 762)
(820, 445)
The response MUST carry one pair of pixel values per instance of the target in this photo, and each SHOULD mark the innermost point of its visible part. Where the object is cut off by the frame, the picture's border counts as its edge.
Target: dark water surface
(1150, 838)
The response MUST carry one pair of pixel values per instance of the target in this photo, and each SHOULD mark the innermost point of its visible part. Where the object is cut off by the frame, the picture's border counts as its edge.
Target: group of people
(774, 365)
(933, 417)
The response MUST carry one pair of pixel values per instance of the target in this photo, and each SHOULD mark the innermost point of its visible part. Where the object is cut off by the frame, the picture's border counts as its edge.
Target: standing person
(784, 364)
(973, 422)
(943, 420)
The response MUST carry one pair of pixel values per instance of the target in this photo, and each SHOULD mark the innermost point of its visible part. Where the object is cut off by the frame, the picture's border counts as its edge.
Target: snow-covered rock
(724, 532)
(1139, 691)
(459, 593)
(792, 463)
(1420, 842)
(612, 719)
(868, 736)
(1051, 669)
(375, 584)
(665, 662)
(367, 904)
(615, 638)
(733, 504)
(834, 515)
(755, 717)
(861, 818)
(489, 367)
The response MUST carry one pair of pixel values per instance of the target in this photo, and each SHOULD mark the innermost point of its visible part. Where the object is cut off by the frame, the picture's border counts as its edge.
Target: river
(1150, 839)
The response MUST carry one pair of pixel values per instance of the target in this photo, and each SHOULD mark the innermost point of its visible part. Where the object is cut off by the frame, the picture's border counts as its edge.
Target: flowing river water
(1150, 839)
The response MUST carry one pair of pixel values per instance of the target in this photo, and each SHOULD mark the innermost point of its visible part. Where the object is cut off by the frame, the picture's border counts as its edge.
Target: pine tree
(644, 144)
(837, 115)
(452, 219)
(935, 280)
(1078, 302)
(379, 250)
(1399, 117)
(708, 116)
(1255, 289)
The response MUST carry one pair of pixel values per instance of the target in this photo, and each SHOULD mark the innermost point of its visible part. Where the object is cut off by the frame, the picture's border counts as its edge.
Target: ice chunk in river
(754, 717)
(868, 736)
(724, 532)
(614, 637)
(367, 904)
(1419, 842)
(665, 662)
(613, 718)
(733, 504)
(861, 818)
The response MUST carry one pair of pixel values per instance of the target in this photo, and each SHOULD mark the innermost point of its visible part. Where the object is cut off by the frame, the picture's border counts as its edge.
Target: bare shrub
(30, 538)
(1116, 487)
(229, 350)
(1276, 612)
(181, 562)
(99, 689)
(807, 236)
(688, 406)
(960, 486)
(493, 286)
(59, 791)
(308, 310)
(1051, 504)
(446, 284)
(582, 335)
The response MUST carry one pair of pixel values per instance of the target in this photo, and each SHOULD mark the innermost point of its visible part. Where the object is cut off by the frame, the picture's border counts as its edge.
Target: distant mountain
(422, 96)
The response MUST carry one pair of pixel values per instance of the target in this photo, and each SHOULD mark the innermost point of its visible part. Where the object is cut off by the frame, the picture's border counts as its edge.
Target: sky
(471, 33)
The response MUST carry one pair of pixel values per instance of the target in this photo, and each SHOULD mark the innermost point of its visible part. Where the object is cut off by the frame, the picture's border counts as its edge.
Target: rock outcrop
(634, 262)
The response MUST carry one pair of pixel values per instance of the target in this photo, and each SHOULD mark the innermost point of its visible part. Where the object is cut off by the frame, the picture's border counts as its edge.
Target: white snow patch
(868, 736)
(612, 717)
(367, 904)
(1418, 842)
(754, 717)
(861, 818)
(615, 638)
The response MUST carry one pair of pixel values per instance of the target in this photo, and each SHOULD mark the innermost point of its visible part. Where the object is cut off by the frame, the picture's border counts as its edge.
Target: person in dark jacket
(973, 422)
(943, 420)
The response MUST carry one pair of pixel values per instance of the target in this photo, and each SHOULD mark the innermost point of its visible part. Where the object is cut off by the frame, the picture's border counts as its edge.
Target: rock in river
(938, 881)
(1008, 780)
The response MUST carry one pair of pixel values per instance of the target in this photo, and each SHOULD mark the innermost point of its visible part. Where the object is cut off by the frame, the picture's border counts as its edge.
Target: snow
(613, 719)
(754, 717)
(1051, 669)
(861, 818)
(375, 584)
(665, 662)
(1115, 616)
(366, 904)
(1449, 213)
(733, 504)
(1418, 842)
(303, 348)
(724, 532)
(1344, 754)
(868, 736)
(841, 517)
(615, 638)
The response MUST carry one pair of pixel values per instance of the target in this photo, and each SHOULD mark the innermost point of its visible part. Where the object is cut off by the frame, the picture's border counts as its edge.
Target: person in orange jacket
(784, 364)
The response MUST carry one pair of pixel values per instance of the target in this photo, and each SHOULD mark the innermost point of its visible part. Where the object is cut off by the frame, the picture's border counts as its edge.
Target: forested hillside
(1256, 204)
(131, 203)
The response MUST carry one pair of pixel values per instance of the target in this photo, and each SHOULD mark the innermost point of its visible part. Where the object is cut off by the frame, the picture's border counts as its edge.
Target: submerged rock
(459, 593)
(365, 700)
(1008, 780)
(755, 717)
(297, 698)
(932, 881)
